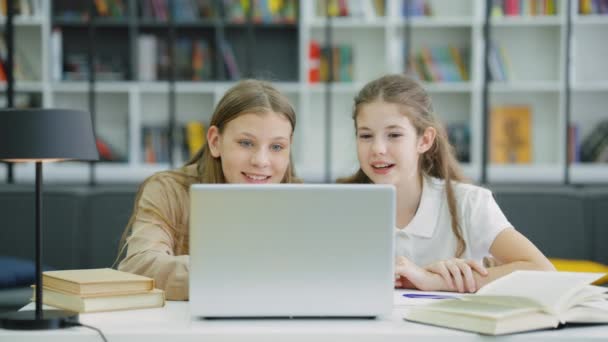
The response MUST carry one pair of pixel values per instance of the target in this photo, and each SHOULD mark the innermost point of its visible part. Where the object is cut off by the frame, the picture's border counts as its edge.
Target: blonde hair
(246, 97)
(439, 161)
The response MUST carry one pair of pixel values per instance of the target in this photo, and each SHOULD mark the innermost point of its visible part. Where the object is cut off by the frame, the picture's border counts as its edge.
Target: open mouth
(382, 168)
(253, 178)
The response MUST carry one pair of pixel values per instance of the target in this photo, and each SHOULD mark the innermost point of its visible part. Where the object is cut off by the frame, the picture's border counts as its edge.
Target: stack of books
(102, 289)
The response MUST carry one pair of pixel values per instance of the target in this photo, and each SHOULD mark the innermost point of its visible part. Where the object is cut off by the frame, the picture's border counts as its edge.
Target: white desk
(173, 324)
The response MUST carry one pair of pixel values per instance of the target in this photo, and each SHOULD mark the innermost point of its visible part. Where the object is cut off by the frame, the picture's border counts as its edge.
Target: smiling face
(253, 148)
(388, 146)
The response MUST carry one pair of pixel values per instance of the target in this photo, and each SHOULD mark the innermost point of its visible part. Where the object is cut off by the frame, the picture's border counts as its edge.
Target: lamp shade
(46, 134)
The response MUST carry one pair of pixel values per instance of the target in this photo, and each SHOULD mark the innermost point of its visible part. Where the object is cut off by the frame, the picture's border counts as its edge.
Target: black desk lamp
(43, 135)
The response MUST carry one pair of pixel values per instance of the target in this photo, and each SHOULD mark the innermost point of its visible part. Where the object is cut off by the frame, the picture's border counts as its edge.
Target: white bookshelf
(535, 47)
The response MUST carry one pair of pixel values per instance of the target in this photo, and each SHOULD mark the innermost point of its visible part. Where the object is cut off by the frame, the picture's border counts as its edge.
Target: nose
(260, 158)
(378, 146)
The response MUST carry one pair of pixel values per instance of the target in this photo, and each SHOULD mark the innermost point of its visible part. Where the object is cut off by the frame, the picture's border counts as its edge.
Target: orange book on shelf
(511, 134)
(2, 72)
(314, 58)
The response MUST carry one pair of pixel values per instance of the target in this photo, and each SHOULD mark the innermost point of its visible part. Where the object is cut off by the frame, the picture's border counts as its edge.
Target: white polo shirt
(429, 237)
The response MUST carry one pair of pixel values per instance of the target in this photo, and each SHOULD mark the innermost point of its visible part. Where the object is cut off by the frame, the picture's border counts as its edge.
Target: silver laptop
(291, 250)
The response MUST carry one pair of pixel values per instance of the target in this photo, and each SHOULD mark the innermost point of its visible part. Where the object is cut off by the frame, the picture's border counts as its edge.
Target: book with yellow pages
(97, 303)
(521, 301)
(96, 281)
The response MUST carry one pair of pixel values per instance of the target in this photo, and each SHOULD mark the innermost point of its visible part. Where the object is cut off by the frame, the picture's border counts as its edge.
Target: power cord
(76, 324)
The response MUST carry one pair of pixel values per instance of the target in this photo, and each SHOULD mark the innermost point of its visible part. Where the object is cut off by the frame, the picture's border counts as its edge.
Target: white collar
(425, 220)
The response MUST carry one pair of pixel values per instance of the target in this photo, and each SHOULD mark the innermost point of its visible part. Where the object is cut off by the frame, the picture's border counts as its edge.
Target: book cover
(96, 281)
(511, 134)
(97, 303)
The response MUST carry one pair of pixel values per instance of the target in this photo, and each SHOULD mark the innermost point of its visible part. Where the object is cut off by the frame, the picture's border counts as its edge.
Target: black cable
(75, 324)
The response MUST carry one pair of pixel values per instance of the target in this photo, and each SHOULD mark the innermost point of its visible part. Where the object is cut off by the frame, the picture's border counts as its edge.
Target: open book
(521, 301)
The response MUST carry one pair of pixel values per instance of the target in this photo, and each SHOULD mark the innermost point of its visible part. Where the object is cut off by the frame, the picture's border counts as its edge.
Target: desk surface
(173, 323)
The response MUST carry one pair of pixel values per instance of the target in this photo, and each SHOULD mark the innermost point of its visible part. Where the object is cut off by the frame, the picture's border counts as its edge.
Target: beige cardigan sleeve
(158, 235)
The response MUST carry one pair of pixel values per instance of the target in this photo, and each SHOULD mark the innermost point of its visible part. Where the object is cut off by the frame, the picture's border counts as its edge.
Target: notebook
(291, 250)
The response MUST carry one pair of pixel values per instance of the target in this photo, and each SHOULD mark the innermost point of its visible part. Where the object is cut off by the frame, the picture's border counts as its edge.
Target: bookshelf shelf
(525, 86)
(24, 86)
(548, 173)
(148, 23)
(438, 22)
(348, 23)
(596, 19)
(448, 87)
(98, 23)
(589, 173)
(341, 88)
(527, 21)
(23, 21)
(593, 86)
(80, 87)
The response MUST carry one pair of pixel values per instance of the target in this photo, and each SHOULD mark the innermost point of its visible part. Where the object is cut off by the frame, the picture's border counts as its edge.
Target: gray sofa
(82, 225)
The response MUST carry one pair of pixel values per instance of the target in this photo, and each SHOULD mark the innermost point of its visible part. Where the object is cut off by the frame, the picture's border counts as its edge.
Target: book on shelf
(590, 7)
(594, 147)
(511, 134)
(416, 8)
(521, 301)
(439, 64)
(26, 8)
(22, 67)
(195, 137)
(499, 64)
(365, 9)
(262, 11)
(574, 155)
(339, 57)
(459, 135)
(523, 7)
(154, 298)
(97, 281)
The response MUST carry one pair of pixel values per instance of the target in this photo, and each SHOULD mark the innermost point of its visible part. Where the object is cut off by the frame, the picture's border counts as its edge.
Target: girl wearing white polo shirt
(445, 227)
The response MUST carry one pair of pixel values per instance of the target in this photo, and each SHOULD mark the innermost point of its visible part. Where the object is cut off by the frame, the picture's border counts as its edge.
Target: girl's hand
(409, 275)
(458, 273)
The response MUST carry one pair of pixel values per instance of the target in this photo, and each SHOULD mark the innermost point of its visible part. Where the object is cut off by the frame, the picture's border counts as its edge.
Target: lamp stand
(38, 319)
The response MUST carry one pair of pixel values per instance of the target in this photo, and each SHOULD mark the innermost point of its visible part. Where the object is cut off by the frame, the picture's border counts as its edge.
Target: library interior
(520, 87)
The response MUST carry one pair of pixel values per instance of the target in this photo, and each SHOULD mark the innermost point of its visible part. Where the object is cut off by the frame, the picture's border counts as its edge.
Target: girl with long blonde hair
(445, 227)
(248, 141)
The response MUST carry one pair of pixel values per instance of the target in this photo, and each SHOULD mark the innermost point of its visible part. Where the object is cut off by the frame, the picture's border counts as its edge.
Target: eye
(245, 143)
(365, 136)
(276, 148)
(394, 135)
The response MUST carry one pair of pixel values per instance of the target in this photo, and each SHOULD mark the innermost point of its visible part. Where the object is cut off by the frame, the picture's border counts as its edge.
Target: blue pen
(427, 296)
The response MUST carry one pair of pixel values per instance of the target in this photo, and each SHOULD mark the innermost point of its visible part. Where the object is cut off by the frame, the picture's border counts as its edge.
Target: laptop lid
(291, 250)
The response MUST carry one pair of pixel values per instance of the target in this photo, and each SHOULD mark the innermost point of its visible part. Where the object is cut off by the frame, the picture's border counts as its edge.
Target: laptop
(291, 250)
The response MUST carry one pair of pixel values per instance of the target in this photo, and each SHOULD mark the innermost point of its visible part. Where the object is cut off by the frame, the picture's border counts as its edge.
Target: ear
(213, 140)
(426, 140)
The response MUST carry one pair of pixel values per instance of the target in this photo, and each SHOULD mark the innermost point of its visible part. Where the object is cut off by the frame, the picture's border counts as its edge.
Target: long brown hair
(246, 97)
(439, 161)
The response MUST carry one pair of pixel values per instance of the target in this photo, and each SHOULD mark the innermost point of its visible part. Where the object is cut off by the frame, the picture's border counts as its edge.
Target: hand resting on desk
(447, 275)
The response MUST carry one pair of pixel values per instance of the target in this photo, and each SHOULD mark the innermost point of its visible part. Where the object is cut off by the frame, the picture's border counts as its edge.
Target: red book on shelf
(314, 71)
